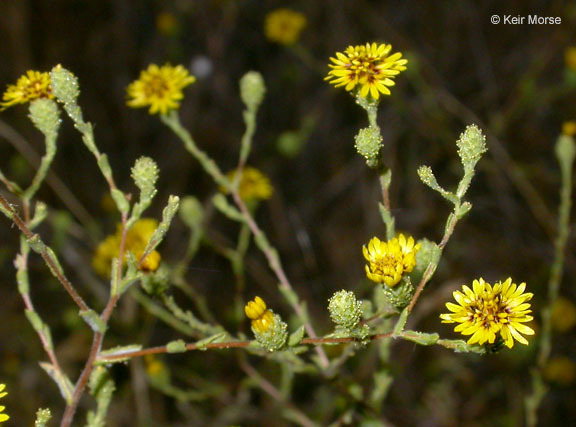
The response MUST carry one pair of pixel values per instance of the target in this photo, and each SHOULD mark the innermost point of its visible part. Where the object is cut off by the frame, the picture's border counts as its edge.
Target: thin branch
(233, 344)
(48, 257)
(97, 340)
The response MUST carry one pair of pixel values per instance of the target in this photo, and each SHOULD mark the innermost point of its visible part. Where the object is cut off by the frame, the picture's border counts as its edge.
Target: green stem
(42, 170)
(173, 122)
(565, 151)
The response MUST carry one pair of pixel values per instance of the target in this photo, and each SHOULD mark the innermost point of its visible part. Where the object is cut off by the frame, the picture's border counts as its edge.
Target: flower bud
(345, 310)
(368, 144)
(471, 146)
(273, 338)
(145, 175)
(45, 116)
(268, 328)
(64, 85)
(252, 89)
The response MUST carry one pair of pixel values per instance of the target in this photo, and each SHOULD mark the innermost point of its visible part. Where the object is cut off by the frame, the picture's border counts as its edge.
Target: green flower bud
(156, 283)
(273, 337)
(368, 144)
(64, 85)
(145, 175)
(42, 417)
(399, 296)
(427, 176)
(191, 212)
(252, 89)
(45, 116)
(471, 146)
(345, 310)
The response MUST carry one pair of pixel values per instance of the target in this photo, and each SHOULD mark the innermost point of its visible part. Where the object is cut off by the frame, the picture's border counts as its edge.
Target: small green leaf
(296, 337)
(178, 346)
(94, 320)
(121, 201)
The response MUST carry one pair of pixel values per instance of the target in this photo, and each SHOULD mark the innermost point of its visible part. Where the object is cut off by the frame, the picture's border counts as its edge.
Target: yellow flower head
(284, 26)
(31, 86)
(570, 58)
(487, 311)
(136, 240)
(160, 88)
(563, 315)
(388, 261)
(262, 318)
(369, 68)
(254, 185)
(569, 128)
(3, 417)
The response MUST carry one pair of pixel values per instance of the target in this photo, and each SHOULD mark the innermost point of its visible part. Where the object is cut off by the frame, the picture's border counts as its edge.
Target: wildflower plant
(398, 266)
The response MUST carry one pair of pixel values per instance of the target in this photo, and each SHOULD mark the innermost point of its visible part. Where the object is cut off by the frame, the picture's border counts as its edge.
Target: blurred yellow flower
(31, 86)
(369, 68)
(154, 366)
(262, 318)
(160, 88)
(570, 58)
(388, 261)
(284, 26)
(254, 185)
(569, 128)
(486, 311)
(3, 417)
(136, 241)
(561, 370)
(563, 315)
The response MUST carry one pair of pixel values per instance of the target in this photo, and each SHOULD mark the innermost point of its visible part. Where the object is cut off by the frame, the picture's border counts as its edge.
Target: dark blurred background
(511, 80)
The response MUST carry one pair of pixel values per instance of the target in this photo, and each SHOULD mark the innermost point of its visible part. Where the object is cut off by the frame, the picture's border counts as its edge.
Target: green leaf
(177, 346)
(94, 320)
(296, 337)
(64, 384)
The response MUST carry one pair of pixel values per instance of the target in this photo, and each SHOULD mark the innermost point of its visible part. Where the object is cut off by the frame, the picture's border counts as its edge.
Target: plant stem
(276, 266)
(48, 256)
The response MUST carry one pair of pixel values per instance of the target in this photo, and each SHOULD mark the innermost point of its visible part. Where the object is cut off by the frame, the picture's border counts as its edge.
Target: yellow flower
(136, 240)
(284, 26)
(563, 315)
(388, 261)
(570, 58)
(487, 312)
(254, 185)
(160, 88)
(154, 366)
(569, 128)
(370, 67)
(31, 86)
(262, 318)
(561, 370)
(3, 417)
